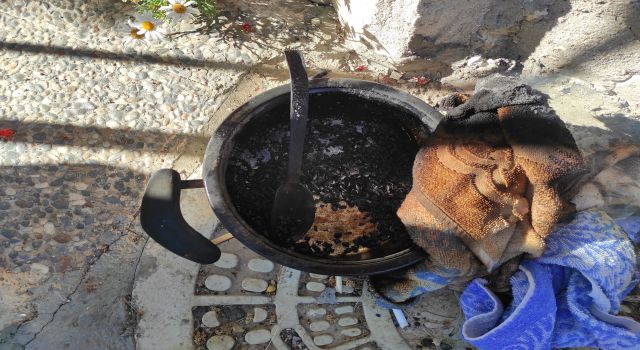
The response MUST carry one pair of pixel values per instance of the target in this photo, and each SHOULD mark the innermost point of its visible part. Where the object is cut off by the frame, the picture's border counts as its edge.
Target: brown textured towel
(488, 186)
(494, 173)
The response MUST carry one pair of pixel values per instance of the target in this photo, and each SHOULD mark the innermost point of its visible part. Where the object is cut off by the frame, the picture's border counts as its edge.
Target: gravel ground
(92, 120)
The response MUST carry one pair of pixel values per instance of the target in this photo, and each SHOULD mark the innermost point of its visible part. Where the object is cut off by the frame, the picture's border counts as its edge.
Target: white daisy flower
(179, 10)
(133, 38)
(149, 27)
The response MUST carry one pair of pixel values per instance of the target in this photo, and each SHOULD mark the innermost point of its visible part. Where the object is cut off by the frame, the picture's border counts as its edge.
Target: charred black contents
(357, 164)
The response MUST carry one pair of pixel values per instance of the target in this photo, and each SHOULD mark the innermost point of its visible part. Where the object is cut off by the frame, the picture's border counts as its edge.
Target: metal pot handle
(162, 219)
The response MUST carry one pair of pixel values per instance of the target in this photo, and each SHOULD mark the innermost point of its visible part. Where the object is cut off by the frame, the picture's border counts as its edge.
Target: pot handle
(162, 219)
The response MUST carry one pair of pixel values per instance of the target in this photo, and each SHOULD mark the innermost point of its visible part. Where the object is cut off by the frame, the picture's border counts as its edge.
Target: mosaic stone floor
(244, 301)
(305, 312)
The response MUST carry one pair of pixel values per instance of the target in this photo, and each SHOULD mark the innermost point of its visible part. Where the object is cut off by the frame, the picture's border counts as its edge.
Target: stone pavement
(248, 302)
(94, 119)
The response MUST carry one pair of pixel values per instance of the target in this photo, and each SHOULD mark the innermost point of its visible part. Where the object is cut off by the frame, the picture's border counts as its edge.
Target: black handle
(299, 110)
(162, 219)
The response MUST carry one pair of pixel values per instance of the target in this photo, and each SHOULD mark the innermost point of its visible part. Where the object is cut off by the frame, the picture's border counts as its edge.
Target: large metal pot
(160, 211)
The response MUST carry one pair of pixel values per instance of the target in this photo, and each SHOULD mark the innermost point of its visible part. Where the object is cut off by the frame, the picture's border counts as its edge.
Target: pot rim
(214, 168)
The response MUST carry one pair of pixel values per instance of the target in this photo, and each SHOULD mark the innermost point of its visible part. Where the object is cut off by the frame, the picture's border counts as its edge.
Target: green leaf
(207, 8)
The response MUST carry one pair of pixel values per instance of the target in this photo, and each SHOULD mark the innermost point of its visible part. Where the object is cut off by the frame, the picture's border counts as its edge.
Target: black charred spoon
(293, 208)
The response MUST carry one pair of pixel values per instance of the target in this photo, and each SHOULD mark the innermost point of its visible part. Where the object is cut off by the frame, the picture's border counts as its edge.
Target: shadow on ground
(61, 215)
(183, 61)
(619, 41)
(68, 246)
(95, 136)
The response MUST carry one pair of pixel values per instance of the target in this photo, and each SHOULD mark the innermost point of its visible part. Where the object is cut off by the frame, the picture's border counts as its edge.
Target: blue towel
(631, 225)
(566, 298)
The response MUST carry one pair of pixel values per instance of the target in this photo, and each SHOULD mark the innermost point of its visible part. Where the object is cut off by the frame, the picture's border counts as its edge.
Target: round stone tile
(254, 285)
(227, 261)
(259, 315)
(210, 319)
(220, 342)
(319, 326)
(347, 321)
(315, 286)
(344, 310)
(217, 283)
(260, 265)
(316, 312)
(257, 336)
(323, 340)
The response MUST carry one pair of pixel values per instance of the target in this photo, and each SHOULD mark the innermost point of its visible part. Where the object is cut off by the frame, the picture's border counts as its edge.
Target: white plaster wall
(384, 26)
(596, 41)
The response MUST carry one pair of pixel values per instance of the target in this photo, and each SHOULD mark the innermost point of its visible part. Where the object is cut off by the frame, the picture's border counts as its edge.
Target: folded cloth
(494, 172)
(450, 262)
(488, 185)
(568, 297)
(630, 225)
